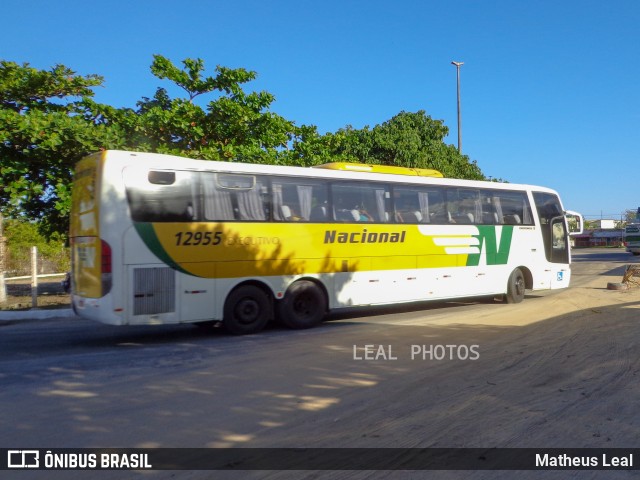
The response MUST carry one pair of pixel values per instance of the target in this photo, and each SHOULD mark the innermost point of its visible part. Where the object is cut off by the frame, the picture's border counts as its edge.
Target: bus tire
(303, 306)
(246, 310)
(515, 287)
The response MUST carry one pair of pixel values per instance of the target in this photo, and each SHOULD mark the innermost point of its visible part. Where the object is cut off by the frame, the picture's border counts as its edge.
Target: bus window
(299, 200)
(161, 196)
(360, 202)
(235, 197)
(464, 205)
(253, 203)
(505, 208)
(418, 205)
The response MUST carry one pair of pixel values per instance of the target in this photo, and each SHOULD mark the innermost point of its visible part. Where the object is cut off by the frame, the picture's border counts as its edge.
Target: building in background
(602, 233)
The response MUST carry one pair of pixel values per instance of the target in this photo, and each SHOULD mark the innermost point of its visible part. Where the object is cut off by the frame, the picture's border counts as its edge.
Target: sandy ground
(559, 370)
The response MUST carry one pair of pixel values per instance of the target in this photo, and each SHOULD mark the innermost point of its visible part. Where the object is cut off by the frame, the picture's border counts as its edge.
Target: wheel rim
(303, 305)
(519, 286)
(247, 311)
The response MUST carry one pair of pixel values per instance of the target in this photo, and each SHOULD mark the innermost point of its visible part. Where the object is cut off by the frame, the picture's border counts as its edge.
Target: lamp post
(458, 65)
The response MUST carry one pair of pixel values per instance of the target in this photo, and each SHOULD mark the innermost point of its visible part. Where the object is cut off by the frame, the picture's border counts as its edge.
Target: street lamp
(458, 65)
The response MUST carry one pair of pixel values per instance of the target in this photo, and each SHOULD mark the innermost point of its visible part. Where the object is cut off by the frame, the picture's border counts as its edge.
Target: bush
(21, 235)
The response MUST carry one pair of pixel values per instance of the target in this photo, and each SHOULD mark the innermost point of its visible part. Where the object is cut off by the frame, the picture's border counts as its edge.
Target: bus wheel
(303, 306)
(516, 287)
(247, 310)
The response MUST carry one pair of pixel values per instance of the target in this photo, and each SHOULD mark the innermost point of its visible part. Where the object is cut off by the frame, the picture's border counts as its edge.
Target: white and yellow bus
(159, 239)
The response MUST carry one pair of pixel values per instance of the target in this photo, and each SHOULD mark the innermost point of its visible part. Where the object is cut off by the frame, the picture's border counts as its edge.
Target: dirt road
(560, 370)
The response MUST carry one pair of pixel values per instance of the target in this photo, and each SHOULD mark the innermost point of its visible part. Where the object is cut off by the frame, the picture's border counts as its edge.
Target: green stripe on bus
(496, 254)
(148, 235)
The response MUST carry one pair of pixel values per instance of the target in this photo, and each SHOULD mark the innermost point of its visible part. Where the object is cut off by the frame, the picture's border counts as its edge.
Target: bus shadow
(419, 306)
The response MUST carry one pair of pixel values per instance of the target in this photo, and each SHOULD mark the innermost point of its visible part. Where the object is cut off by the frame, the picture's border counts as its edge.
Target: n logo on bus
(483, 244)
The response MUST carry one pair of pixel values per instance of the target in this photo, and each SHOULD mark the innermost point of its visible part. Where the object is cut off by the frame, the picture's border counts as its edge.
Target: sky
(549, 88)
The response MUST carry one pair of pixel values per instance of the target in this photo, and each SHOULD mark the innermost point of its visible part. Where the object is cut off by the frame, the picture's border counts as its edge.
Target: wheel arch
(528, 277)
(305, 304)
(261, 285)
(317, 282)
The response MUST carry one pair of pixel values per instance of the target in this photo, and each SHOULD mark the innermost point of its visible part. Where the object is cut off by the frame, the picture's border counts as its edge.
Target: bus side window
(437, 207)
(464, 205)
(405, 202)
(218, 202)
(298, 200)
(319, 213)
(511, 208)
(360, 202)
(253, 202)
(419, 205)
(161, 196)
(234, 197)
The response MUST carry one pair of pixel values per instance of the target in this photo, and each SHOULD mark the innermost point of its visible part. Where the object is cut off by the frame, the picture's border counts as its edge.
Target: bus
(632, 235)
(632, 238)
(159, 239)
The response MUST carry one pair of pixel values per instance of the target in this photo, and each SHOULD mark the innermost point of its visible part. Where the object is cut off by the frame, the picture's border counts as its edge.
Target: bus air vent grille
(154, 290)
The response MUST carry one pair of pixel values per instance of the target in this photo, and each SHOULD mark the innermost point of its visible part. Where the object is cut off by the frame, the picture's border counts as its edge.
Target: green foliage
(408, 140)
(46, 126)
(49, 120)
(233, 126)
(21, 235)
(631, 216)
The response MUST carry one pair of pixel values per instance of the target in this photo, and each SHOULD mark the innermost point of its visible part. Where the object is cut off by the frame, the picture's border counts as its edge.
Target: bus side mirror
(575, 222)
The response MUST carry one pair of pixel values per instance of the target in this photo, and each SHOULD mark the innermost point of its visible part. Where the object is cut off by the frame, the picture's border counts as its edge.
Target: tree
(631, 216)
(235, 125)
(21, 235)
(46, 125)
(49, 120)
(409, 140)
(416, 140)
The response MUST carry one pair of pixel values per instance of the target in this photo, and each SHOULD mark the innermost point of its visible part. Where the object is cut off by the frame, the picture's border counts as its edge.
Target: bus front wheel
(247, 310)
(515, 287)
(303, 306)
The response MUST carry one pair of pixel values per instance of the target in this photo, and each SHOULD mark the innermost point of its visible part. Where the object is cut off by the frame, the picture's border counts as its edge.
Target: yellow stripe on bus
(389, 169)
(212, 250)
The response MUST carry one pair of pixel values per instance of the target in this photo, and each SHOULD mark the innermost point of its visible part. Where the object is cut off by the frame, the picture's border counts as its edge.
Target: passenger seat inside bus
(410, 217)
(318, 213)
(286, 213)
(289, 215)
(463, 218)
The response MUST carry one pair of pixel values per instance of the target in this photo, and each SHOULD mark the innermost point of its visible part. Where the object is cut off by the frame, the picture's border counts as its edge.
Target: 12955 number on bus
(186, 239)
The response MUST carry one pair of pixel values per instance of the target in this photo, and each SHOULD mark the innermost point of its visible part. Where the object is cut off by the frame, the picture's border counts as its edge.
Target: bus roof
(391, 169)
(173, 162)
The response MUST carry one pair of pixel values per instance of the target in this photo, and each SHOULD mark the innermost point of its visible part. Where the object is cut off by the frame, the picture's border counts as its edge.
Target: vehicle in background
(632, 235)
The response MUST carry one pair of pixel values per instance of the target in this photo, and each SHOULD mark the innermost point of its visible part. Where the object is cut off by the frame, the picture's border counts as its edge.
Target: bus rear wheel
(303, 306)
(247, 310)
(515, 287)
